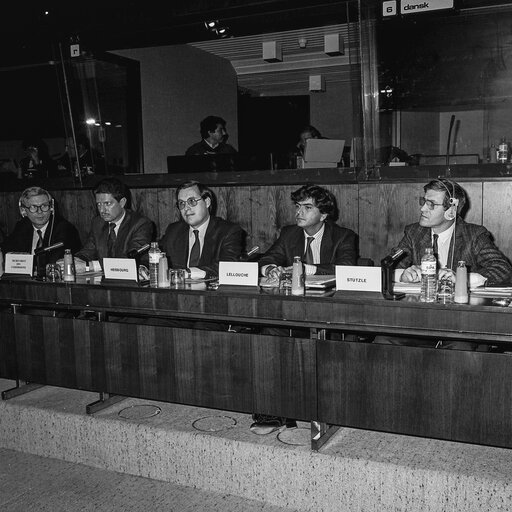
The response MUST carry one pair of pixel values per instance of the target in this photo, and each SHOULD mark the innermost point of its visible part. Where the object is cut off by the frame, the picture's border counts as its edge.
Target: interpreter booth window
(51, 108)
(444, 87)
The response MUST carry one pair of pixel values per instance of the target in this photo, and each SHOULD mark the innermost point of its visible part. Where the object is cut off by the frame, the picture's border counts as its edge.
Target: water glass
(445, 291)
(53, 273)
(285, 281)
(177, 277)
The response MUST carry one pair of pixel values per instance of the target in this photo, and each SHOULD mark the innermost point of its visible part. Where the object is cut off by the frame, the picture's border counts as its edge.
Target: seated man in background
(200, 240)
(214, 138)
(441, 227)
(116, 230)
(315, 237)
(40, 226)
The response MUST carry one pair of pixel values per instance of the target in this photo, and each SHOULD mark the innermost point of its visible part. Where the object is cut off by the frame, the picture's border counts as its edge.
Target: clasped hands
(273, 272)
(413, 274)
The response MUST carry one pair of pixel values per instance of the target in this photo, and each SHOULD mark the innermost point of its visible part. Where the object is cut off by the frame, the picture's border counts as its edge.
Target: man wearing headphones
(41, 226)
(441, 227)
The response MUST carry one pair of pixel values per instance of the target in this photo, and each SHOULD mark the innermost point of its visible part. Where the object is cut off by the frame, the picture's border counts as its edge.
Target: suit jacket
(134, 232)
(473, 244)
(203, 148)
(20, 240)
(338, 247)
(222, 242)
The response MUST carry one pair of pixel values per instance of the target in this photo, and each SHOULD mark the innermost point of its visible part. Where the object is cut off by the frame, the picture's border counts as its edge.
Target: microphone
(133, 253)
(452, 121)
(41, 250)
(395, 256)
(251, 252)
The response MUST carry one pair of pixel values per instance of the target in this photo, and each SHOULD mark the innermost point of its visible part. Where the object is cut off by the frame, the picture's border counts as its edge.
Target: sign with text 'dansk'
(358, 278)
(417, 6)
(120, 268)
(241, 273)
(19, 263)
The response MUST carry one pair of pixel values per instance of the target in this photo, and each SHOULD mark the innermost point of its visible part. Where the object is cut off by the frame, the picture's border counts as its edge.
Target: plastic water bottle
(154, 258)
(461, 283)
(503, 151)
(428, 276)
(297, 276)
(69, 267)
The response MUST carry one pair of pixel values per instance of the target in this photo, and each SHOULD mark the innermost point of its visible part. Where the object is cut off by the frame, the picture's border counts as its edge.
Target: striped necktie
(111, 242)
(195, 253)
(308, 254)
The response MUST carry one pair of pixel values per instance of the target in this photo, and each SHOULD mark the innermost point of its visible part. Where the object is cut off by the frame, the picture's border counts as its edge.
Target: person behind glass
(116, 230)
(214, 138)
(441, 227)
(315, 237)
(308, 132)
(40, 226)
(200, 240)
(90, 160)
(37, 163)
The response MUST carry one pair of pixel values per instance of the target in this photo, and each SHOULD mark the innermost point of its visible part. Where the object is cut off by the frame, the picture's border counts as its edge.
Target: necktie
(195, 253)
(40, 241)
(308, 255)
(111, 239)
(436, 249)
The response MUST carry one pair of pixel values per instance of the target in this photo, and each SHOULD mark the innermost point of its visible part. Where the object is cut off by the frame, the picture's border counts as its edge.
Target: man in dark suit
(41, 227)
(116, 231)
(441, 226)
(199, 240)
(322, 245)
(319, 242)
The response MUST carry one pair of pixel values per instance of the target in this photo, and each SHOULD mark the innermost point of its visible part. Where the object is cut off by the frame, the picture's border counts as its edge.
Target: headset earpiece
(451, 213)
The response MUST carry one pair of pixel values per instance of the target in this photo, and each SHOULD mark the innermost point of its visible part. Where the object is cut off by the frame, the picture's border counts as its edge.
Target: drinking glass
(445, 291)
(53, 273)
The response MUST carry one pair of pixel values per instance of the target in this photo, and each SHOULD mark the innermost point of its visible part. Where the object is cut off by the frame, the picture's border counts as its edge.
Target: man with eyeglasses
(116, 230)
(440, 226)
(40, 226)
(316, 238)
(200, 240)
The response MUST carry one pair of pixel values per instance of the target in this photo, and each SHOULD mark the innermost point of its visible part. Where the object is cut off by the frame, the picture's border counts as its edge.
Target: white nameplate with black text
(241, 273)
(120, 268)
(362, 279)
(416, 6)
(19, 263)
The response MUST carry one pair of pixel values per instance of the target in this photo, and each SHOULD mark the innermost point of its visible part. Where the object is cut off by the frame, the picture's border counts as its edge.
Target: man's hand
(273, 272)
(79, 265)
(411, 275)
(197, 273)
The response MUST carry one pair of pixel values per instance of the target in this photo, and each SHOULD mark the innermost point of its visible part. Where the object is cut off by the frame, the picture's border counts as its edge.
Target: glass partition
(444, 87)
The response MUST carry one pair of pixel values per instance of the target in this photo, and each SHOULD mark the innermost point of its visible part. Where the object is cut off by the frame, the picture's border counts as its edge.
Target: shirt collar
(318, 234)
(202, 228)
(118, 221)
(445, 235)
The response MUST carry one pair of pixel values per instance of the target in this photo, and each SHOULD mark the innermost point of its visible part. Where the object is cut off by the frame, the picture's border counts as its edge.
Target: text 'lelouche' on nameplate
(19, 263)
(120, 268)
(241, 273)
(358, 278)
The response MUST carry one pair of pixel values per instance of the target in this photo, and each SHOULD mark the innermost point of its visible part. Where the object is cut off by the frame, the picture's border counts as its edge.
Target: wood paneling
(425, 392)
(8, 361)
(377, 211)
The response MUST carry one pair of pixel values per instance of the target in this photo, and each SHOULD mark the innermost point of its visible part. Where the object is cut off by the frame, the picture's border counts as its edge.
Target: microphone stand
(38, 257)
(387, 268)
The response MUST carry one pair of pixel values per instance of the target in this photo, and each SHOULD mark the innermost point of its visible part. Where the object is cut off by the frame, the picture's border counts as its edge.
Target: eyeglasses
(33, 208)
(430, 204)
(191, 201)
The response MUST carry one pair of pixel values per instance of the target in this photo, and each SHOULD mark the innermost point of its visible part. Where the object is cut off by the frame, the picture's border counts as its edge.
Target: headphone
(22, 207)
(451, 212)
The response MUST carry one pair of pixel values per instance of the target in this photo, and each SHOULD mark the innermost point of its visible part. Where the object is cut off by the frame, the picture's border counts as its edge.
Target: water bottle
(461, 284)
(297, 276)
(163, 272)
(69, 267)
(154, 258)
(503, 151)
(428, 276)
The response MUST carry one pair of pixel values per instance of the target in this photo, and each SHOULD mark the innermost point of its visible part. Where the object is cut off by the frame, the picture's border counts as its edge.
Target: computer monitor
(323, 152)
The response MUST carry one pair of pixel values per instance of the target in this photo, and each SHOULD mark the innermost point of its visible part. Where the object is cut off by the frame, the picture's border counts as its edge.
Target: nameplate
(19, 263)
(120, 268)
(362, 279)
(238, 273)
